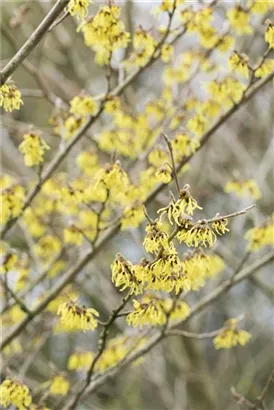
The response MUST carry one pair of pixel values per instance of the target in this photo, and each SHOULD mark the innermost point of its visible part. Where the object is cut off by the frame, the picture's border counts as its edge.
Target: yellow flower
(163, 174)
(113, 105)
(144, 45)
(80, 361)
(56, 268)
(156, 238)
(180, 312)
(230, 336)
(61, 298)
(220, 226)
(33, 224)
(184, 146)
(157, 157)
(115, 351)
(78, 8)
(14, 393)
(166, 53)
(76, 317)
(10, 97)
(197, 124)
(225, 43)
(12, 200)
(48, 247)
(123, 275)
(226, 91)
(239, 20)
(269, 35)
(239, 63)
(198, 235)
(59, 386)
(83, 105)
(148, 311)
(73, 235)
(153, 311)
(243, 188)
(8, 262)
(260, 236)
(266, 68)
(176, 209)
(260, 7)
(132, 216)
(33, 148)
(87, 162)
(105, 33)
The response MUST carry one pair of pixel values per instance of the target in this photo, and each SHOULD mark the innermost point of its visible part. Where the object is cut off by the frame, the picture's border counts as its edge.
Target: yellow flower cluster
(132, 216)
(175, 210)
(231, 336)
(200, 233)
(10, 97)
(48, 247)
(260, 7)
(163, 174)
(198, 267)
(239, 19)
(66, 124)
(153, 311)
(115, 351)
(227, 91)
(242, 188)
(12, 199)
(73, 235)
(261, 236)
(265, 68)
(80, 361)
(144, 45)
(269, 35)
(59, 385)
(123, 275)
(8, 260)
(105, 33)
(77, 317)
(60, 299)
(87, 162)
(78, 8)
(14, 393)
(239, 63)
(33, 148)
(83, 105)
(156, 238)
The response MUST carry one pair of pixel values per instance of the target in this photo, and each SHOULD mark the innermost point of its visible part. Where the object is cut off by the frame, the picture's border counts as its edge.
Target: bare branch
(32, 41)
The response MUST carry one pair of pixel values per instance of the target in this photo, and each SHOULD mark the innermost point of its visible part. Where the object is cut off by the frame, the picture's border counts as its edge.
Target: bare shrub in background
(136, 204)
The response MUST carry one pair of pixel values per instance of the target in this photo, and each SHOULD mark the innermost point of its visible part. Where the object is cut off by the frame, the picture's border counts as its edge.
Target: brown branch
(175, 176)
(190, 335)
(32, 41)
(266, 387)
(101, 347)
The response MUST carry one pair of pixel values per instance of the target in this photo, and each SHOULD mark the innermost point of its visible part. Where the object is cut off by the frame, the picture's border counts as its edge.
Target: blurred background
(179, 373)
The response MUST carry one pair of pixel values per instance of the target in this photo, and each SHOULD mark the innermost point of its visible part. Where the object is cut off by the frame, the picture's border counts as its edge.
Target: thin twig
(174, 171)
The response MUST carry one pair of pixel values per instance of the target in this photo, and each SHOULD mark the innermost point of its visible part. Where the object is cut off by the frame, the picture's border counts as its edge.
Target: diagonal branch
(32, 41)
